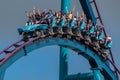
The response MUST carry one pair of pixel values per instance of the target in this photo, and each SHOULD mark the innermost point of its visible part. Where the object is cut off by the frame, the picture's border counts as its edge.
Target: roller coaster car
(32, 28)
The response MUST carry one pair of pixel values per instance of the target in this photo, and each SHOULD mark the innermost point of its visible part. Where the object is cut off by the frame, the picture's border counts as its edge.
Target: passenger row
(91, 33)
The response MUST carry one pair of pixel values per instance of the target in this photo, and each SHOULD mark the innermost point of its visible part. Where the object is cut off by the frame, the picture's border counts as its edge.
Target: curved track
(21, 48)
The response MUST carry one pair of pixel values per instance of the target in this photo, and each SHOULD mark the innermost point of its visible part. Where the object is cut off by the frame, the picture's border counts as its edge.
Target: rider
(72, 24)
(70, 15)
(31, 20)
(88, 31)
(37, 15)
(106, 44)
(82, 23)
(62, 23)
(53, 24)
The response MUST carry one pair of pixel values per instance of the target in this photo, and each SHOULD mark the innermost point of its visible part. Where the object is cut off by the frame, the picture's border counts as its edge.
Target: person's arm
(27, 13)
(67, 9)
(34, 10)
(77, 14)
(73, 9)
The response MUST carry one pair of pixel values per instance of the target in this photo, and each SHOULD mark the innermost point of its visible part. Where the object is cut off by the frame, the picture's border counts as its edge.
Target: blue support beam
(65, 4)
(63, 63)
(87, 8)
(2, 73)
(108, 74)
(97, 74)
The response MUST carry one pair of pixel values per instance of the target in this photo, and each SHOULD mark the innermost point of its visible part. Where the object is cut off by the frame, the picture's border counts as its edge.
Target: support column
(63, 63)
(2, 73)
(97, 74)
(87, 8)
(63, 67)
(65, 4)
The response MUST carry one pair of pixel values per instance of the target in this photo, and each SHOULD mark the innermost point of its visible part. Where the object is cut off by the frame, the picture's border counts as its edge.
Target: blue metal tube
(2, 73)
(63, 63)
(87, 8)
(65, 7)
(97, 74)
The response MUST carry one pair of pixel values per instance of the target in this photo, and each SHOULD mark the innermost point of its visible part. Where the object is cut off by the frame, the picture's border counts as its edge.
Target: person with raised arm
(62, 23)
(105, 44)
(43, 17)
(108, 42)
(82, 22)
(31, 20)
(88, 31)
(37, 15)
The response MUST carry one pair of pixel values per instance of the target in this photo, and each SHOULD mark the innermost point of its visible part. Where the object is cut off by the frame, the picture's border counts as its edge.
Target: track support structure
(2, 73)
(97, 74)
(63, 65)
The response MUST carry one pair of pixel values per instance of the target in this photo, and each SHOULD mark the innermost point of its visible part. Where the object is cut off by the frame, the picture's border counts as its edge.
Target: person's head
(60, 13)
(63, 16)
(89, 21)
(71, 12)
(37, 10)
(50, 11)
(79, 17)
(44, 13)
(29, 14)
(108, 37)
(101, 28)
(82, 15)
(55, 13)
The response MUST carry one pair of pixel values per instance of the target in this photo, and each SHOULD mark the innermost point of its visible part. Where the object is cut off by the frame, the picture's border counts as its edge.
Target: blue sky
(44, 63)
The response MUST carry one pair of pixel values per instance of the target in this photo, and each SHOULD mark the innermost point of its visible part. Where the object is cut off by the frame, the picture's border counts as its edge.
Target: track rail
(100, 19)
(22, 45)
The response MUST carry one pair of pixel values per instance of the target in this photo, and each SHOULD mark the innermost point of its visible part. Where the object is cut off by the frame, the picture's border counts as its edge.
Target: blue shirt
(92, 30)
(53, 23)
(72, 23)
(63, 22)
(109, 44)
(50, 16)
(100, 36)
(82, 25)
